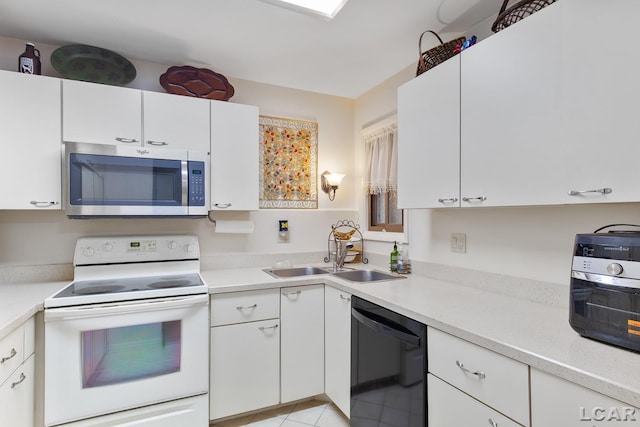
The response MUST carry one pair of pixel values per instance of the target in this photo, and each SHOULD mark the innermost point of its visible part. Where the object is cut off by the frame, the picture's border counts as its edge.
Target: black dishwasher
(388, 367)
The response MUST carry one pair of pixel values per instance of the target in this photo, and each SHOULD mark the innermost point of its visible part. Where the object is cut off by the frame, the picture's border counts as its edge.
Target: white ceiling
(366, 43)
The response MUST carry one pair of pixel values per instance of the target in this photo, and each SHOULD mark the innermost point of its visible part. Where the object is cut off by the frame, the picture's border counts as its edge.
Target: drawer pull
(449, 200)
(126, 140)
(22, 378)
(286, 294)
(249, 307)
(39, 204)
(599, 190)
(10, 356)
(478, 374)
(474, 199)
(492, 423)
(264, 328)
(157, 143)
(345, 299)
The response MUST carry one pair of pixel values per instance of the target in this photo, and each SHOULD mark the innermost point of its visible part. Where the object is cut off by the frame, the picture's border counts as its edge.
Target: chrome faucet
(341, 254)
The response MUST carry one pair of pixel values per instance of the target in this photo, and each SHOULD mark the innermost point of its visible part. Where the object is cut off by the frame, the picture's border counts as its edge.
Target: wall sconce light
(330, 182)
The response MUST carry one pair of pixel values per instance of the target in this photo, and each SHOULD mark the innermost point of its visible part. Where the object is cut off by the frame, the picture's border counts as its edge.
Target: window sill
(383, 236)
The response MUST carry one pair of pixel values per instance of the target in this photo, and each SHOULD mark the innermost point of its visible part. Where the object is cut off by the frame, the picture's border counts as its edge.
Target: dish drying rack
(345, 228)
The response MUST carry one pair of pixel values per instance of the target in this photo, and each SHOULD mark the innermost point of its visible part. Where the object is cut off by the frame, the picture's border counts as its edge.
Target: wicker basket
(437, 55)
(517, 12)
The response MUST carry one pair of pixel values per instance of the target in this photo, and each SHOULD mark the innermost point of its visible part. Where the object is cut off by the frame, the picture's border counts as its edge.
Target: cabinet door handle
(286, 294)
(126, 140)
(222, 205)
(249, 307)
(492, 423)
(449, 200)
(345, 299)
(10, 356)
(478, 374)
(605, 190)
(39, 204)
(22, 378)
(474, 199)
(157, 143)
(264, 328)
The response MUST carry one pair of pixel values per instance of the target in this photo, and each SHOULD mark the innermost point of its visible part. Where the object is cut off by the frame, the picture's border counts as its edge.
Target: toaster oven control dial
(614, 268)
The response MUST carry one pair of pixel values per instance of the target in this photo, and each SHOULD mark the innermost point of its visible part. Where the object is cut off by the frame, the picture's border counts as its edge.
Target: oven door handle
(127, 307)
(386, 327)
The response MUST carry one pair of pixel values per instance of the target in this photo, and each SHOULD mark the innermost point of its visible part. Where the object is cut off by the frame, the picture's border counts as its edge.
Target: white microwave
(116, 181)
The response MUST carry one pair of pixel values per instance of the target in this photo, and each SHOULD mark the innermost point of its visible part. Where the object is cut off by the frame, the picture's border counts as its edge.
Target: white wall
(33, 238)
(532, 242)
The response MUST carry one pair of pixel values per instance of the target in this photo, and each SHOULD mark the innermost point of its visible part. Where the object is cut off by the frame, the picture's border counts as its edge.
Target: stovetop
(113, 269)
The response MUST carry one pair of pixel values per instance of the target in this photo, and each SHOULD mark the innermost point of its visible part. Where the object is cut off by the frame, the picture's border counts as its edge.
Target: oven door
(105, 358)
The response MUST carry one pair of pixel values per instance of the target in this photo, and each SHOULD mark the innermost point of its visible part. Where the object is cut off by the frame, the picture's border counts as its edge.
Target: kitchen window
(381, 177)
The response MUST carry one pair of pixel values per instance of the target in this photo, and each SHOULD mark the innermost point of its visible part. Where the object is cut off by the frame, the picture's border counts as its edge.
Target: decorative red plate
(198, 82)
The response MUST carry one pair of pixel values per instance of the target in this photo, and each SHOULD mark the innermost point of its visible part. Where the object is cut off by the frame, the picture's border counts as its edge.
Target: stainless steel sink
(294, 271)
(365, 275)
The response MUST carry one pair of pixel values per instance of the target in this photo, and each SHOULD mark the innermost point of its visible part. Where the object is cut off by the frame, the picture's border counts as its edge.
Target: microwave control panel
(196, 183)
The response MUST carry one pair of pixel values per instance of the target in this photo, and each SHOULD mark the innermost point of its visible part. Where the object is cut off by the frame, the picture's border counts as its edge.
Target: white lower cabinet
(337, 347)
(449, 407)
(493, 379)
(302, 342)
(245, 372)
(17, 377)
(557, 402)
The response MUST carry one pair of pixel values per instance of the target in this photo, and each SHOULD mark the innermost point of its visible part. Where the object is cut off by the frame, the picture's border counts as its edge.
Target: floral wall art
(288, 163)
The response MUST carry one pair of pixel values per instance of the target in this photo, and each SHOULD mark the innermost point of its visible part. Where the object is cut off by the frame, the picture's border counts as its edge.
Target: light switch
(459, 242)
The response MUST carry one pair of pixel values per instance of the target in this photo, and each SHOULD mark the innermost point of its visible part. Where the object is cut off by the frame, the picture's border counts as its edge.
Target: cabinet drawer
(449, 407)
(500, 382)
(11, 352)
(249, 306)
(17, 402)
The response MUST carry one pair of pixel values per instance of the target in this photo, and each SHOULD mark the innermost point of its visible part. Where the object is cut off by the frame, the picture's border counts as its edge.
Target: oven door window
(124, 181)
(130, 353)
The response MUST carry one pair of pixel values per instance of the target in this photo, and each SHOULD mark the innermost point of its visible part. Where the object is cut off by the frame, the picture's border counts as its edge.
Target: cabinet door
(175, 121)
(429, 138)
(234, 156)
(510, 115)
(556, 402)
(30, 137)
(337, 352)
(101, 114)
(245, 367)
(302, 342)
(17, 396)
(601, 92)
(449, 407)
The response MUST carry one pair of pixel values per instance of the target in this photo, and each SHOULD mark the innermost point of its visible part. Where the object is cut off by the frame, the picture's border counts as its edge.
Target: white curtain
(381, 148)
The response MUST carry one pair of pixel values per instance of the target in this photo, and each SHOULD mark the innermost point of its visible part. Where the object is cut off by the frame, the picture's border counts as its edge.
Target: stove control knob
(172, 244)
(108, 247)
(188, 247)
(88, 251)
(614, 268)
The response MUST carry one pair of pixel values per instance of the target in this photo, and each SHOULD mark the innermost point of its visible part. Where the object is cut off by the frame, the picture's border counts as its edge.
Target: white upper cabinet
(175, 121)
(30, 137)
(600, 101)
(101, 114)
(234, 156)
(511, 146)
(429, 138)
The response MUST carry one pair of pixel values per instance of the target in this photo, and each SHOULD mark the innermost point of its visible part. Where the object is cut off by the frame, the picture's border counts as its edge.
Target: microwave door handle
(110, 309)
(185, 182)
(385, 328)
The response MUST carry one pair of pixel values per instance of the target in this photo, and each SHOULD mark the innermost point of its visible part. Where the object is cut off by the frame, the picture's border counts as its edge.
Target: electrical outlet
(459, 242)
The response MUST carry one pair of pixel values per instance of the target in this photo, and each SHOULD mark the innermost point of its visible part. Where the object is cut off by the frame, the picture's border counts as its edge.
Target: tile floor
(303, 414)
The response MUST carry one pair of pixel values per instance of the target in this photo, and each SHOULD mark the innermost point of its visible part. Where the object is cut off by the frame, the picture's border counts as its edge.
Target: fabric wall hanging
(288, 163)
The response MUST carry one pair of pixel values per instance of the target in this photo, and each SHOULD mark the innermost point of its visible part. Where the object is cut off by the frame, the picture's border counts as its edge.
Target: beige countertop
(531, 332)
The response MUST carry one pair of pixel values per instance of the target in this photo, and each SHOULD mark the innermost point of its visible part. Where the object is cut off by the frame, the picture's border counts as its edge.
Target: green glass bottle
(394, 257)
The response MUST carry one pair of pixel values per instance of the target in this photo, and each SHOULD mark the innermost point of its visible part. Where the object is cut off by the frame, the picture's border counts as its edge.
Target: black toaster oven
(605, 288)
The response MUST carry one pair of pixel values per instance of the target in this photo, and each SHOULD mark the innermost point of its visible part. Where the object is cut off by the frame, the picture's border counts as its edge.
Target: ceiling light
(324, 8)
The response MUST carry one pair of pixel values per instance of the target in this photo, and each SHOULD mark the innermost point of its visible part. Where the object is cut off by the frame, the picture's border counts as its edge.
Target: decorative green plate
(92, 64)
